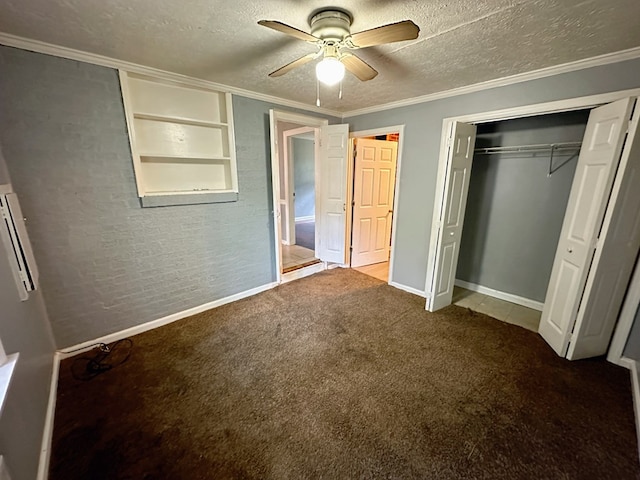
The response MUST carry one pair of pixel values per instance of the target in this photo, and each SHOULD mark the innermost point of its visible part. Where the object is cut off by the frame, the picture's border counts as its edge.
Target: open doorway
(297, 196)
(375, 160)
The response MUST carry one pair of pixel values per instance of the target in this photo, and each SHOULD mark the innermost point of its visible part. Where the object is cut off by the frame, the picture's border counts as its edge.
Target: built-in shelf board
(182, 139)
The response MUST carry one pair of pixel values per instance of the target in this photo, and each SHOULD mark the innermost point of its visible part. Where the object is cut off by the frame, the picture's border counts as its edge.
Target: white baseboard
(415, 291)
(508, 297)
(307, 219)
(112, 337)
(635, 385)
(303, 272)
(47, 434)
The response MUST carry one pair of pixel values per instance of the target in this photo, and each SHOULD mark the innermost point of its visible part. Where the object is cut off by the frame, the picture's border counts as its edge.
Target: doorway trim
(399, 129)
(566, 105)
(306, 121)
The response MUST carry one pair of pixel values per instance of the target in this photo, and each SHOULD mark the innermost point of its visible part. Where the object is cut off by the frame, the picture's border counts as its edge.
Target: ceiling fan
(331, 33)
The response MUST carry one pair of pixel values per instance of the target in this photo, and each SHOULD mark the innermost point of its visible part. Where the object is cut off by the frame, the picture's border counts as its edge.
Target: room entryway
(375, 159)
(297, 196)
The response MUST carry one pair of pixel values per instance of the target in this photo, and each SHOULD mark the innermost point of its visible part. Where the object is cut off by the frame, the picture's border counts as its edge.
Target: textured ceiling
(461, 42)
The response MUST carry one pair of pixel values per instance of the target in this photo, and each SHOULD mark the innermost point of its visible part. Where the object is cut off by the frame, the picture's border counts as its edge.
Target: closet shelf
(182, 120)
(149, 157)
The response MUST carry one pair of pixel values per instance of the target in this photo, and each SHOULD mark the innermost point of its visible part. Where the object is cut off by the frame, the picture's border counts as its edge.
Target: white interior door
(373, 190)
(599, 158)
(334, 147)
(614, 258)
(460, 156)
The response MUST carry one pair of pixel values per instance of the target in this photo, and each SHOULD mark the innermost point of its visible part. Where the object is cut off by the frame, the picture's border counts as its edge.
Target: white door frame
(308, 121)
(399, 129)
(289, 183)
(558, 106)
(625, 321)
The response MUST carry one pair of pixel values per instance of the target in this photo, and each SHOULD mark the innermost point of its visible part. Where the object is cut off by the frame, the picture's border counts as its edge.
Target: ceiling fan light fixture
(330, 71)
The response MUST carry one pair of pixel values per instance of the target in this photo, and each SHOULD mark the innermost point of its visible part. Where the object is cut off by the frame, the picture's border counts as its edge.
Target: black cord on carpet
(86, 368)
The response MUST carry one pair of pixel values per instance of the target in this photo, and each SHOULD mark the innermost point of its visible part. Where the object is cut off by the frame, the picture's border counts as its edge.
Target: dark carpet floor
(306, 235)
(341, 376)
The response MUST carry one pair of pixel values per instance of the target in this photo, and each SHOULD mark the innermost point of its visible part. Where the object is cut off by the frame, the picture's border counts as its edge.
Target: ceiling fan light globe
(330, 71)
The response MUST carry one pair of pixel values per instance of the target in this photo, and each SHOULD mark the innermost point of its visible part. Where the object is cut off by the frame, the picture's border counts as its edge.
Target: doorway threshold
(298, 267)
(304, 270)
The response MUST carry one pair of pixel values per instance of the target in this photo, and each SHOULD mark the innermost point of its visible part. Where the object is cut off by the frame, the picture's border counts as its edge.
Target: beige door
(373, 190)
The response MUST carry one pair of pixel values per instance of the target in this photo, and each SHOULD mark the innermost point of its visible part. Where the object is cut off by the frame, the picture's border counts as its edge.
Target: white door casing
(459, 158)
(595, 172)
(614, 258)
(374, 184)
(332, 188)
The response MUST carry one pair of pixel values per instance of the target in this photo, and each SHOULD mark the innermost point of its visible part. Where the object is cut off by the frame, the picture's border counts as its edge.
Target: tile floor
(296, 256)
(502, 310)
(506, 311)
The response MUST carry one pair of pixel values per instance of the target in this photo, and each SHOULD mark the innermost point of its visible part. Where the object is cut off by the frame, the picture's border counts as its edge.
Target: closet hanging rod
(542, 147)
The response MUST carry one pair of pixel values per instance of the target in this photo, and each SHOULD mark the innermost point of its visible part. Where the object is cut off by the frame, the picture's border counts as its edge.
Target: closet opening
(519, 187)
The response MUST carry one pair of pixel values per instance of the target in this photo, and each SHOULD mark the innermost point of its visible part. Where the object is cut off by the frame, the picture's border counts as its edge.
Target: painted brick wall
(106, 263)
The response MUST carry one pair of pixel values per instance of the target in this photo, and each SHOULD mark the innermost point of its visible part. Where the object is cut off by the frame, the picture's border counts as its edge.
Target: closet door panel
(614, 258)
(599, 158)
(452, 216)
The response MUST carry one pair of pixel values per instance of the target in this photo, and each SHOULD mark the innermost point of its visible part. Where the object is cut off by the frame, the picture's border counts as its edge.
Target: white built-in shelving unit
(181, 136)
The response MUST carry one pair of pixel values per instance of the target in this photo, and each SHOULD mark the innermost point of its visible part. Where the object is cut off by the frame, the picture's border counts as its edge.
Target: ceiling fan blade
(394, 32)
(358, 67)
(295, 64)
(289, 30)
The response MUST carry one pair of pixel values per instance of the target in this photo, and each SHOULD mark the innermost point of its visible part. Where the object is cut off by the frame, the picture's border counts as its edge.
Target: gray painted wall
(24, 328)
(515, 209)
(632, 348)
(304, 177)
(106, 263)
(423, 127)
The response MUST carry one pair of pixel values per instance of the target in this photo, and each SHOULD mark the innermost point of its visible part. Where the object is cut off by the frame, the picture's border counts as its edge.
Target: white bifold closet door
(461, 142)
(599, 239)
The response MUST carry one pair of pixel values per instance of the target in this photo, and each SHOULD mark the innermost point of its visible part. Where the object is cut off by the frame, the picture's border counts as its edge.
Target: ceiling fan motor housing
(331, 25)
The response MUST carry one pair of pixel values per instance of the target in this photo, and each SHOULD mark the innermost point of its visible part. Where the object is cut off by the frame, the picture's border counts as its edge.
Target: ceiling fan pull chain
(340, 94)
(317, 93)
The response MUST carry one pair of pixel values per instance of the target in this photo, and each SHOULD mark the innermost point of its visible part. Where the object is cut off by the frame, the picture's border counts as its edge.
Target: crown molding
(600, 60)
(81, 56)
